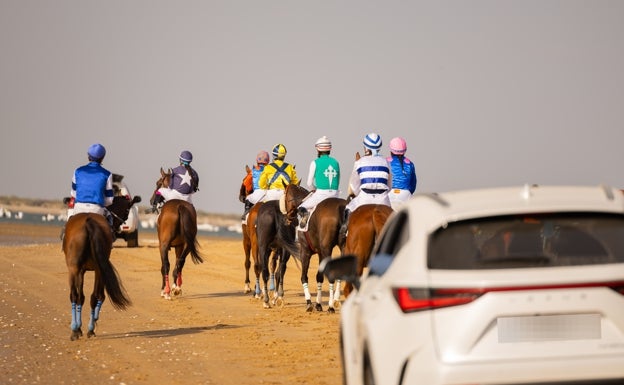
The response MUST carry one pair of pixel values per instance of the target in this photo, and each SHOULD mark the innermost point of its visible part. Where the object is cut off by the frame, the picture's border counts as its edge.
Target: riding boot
(248, 206)
(109, 218)
(303, 214)
(342, 235)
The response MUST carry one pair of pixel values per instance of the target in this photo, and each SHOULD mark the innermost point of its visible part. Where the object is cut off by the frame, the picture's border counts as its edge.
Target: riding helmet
(96, 152)
(398, 146)
(262, 157)
(323, 144)
(372, 141)
(279, 151)
(186, 156)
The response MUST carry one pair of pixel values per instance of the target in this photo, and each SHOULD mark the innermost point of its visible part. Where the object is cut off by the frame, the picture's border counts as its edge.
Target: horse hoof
(318, 307)
(90, 334)
(309, 308)
(279, 302)
(266, 305)
(331, 310)
(247, 289)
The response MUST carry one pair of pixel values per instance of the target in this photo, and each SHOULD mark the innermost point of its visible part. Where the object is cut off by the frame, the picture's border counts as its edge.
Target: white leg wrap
(306, 292)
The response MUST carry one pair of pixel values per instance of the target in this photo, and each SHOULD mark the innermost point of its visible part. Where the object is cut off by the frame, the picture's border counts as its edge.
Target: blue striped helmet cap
(96, 152)
(279, 151)
(372, 141)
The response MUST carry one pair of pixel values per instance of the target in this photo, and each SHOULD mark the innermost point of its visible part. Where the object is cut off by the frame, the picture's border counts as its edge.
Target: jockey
(370, 179)
(277, 174)
(92, 186)
(184, 182)
(262, 159)
(323, 180)
(403, 173)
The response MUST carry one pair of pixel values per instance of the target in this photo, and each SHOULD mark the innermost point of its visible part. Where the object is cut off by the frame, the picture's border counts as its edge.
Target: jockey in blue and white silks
(403, 173)
(92, 185)
(371, 177)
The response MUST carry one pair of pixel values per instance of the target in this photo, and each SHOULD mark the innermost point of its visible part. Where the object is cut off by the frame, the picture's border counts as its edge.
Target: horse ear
(247, 169)
(357, 155)
(162, 172)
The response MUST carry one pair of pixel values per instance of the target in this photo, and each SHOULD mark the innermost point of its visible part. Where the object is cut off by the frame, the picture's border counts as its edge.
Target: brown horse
(87, 245)
(250, 239)
(275, 235)
(321, 238)
(177, 228)
(365, 224)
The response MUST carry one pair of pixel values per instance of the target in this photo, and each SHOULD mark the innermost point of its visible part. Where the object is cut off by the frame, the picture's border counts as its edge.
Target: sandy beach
(212, 334)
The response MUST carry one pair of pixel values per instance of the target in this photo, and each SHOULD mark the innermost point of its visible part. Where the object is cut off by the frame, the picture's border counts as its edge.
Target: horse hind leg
(176, 288)
(77, 301)
(97, 298)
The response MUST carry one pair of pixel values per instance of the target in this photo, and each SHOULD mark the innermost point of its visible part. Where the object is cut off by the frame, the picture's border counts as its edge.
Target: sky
(486, 93)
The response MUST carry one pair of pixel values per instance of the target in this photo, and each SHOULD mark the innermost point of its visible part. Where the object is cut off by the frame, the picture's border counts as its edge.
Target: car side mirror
(341, 268)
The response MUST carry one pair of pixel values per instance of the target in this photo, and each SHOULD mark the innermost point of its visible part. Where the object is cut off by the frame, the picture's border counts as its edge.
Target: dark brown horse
(177, 228)
(275, 233)
(365, 224)
(321, 238)
(250, 239)
(87, 245)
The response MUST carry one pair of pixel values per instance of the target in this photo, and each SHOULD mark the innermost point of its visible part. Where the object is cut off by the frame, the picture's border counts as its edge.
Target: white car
(494, 286)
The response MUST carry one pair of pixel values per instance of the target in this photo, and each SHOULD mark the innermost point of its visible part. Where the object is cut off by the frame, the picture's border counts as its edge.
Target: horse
(365, 224)
(250, 240)
(87, 244)
(177, 228)
(274, 232)
(320, 238)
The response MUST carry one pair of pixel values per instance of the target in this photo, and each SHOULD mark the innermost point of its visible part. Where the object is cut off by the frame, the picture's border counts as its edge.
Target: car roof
(435, 209)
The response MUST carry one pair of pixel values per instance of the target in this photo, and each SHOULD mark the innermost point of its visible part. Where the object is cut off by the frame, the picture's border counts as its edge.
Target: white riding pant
(273, 195)
(316, 197)
(364, 199)
(170, 194)
(398, 197)
(256, 196)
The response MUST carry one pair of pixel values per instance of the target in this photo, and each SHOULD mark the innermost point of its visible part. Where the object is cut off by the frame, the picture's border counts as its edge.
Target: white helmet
(372, 141)
(323, 144)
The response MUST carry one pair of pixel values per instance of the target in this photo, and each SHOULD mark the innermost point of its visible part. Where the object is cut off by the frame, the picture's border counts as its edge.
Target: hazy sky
(486, 93)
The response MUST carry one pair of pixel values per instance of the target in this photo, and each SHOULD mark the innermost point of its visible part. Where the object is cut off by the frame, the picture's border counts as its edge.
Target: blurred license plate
(549, 328)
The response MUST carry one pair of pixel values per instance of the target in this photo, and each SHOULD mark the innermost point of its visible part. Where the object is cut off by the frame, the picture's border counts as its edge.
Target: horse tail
(286, 239)
(100, 249)
(188, 226)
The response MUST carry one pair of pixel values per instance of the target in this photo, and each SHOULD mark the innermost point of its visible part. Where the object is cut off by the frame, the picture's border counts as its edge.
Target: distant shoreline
(56, 208)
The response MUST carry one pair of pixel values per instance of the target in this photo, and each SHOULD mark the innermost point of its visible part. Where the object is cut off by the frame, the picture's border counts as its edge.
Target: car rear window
(521, 241)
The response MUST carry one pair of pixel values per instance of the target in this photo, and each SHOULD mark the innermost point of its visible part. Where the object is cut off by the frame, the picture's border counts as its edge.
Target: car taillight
(410, 299)
(419, 299)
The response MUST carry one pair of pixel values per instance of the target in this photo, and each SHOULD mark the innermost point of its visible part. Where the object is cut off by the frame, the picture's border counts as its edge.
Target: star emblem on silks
(330, 173)
(186, 178)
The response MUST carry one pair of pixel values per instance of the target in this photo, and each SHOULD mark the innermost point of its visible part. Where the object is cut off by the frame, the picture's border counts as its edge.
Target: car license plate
(549, 328)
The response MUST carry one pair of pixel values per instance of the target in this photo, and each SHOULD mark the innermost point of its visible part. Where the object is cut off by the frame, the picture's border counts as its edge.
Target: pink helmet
(398, 146)
(262, 157)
